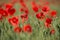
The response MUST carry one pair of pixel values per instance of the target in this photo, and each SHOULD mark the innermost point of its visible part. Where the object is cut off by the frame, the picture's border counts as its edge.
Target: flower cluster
(40, 15)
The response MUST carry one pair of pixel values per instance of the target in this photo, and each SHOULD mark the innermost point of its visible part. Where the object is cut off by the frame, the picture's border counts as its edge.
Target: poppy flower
(52, 31)
(14, 21)
(14, 1)
(47, 3)
(40, 15)
(11, 11)
(53, 13)
(47, 25)
(24, 15)
(21, 1)
(17, 29)
(35, 8)
(21, 9)
(33, 3)
(27, 28)
(48, 20)
(26, 11)
(3, 12)
(23, 4)
(45, 9)
(8, 5)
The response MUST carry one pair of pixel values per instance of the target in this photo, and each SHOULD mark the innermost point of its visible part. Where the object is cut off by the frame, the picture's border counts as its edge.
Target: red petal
(27, 28)
(17, 29)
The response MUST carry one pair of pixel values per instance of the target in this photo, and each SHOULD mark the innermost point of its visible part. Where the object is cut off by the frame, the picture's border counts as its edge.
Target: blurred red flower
(27, 28)
(45, 8)
(34, 6)
(11, 11)
(48, 20)
(14, 21)
(9, 5)
(23, 4)
(3, 12)
(47, 25)
(53, 13)
(17, 29)
(21, 9)
(26, 11)
(24, 17)
(21, 1)
(52, 31)
(40, 15)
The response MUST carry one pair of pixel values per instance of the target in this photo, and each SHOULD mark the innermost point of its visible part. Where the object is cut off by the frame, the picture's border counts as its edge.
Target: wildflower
(3, 12)
(17, 29)
(14, 21)
(34, 7)
(8, 5)
(24, 17)
(45, 9)
(40, 15)
(11, 11)
(52, 31)
(53, 14)
(27, 28)
(21, 9)
(48, 20)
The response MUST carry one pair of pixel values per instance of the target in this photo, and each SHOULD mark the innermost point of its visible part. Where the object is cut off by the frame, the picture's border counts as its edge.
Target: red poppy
(14, 21)
(48, 20)
(23, 4)
(21, 9)
(53, 14)
(8, 5)
(35, 8)
(27, 28)
(11, 11)
(17, 29)
(14, 1)
(47, 25)
(26, 11)
(24, 15)
(3, 12)
(52, 31)
(47, 3)
(40, 15)
(33, 3)
(21, 1)
(45, 9)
